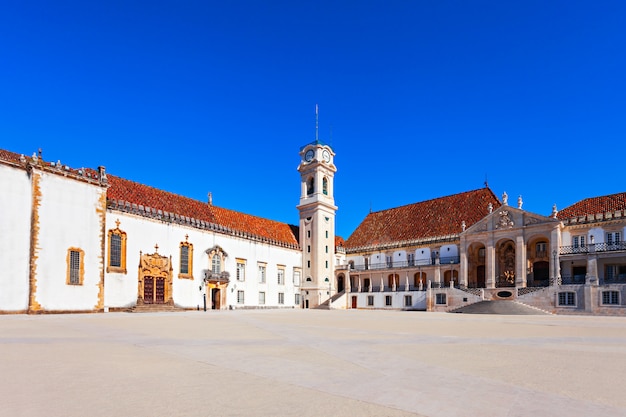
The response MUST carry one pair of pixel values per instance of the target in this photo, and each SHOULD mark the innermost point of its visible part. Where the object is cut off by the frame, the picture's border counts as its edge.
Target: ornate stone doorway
(154, 279)
(506, 264)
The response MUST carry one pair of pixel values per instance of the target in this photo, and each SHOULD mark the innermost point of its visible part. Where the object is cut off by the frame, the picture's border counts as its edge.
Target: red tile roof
(594, 205)
(122, 190)
(437, 218)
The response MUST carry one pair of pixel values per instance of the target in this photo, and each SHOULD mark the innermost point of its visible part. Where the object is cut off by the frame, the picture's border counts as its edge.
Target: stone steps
(499, 307)
(154, 308)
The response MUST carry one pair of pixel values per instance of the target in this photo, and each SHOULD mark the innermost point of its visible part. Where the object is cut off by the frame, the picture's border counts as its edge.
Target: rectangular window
(184, 260)
(261, 297)
(540, 249)
(296, 277)
(578, 241)
(613, 238)
(240, 297)
(308, 248)
(388, 300)
(74, 267)
(308, 233)
(241, 270)
(262, 274)
(441, 299)
(281, 298)
(327, 234)
(567, 298)
(308, 264)
(281, 277)
(370, 300)
(408, 301)
(115, 259)
(326, 248)
(327, 264)
(610, 297)
(296, 299)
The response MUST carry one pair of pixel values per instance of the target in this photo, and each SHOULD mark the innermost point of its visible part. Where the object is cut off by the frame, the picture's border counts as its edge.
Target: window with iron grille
(296, 299)
(185, 265)
(281, 298)
(370, 300)
(610, 297)
(184, 259)
(261, 297)
(281, 277)
(117, 250)
(115, 255)
(240, 297)
(567, 299)
(388, 300)
(75, 266)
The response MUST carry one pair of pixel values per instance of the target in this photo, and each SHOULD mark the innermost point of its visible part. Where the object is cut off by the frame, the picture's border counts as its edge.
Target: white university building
(84, 240)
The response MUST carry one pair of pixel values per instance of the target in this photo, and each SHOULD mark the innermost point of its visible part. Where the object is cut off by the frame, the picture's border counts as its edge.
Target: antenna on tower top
(317, 124)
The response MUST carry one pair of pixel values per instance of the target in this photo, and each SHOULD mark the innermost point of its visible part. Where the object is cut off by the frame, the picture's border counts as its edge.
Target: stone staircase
(324, 305)
(499, 307)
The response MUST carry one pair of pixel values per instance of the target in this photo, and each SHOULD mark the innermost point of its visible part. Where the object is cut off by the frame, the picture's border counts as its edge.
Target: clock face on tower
(326, 156)
(308, 156)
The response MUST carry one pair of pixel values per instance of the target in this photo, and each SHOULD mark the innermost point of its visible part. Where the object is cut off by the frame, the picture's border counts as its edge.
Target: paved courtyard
(312, 363)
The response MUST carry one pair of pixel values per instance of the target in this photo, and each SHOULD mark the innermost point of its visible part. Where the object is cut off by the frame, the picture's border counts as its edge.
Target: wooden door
(148, 290)
(160, 291)
(480, 276)
(354, 301)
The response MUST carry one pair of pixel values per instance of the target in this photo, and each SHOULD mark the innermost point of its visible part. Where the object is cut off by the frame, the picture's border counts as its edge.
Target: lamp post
(554, 267)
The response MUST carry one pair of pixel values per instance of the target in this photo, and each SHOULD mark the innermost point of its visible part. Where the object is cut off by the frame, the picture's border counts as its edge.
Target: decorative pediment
(216, 250)
(155, 265)
(506, 218)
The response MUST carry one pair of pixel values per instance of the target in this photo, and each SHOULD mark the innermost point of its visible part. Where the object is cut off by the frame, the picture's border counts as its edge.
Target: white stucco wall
(422, 256)
(68, 218)
(144, 233)
(15, 200)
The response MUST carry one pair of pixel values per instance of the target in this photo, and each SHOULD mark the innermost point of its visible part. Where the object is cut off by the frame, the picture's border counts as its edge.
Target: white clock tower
(317, 222)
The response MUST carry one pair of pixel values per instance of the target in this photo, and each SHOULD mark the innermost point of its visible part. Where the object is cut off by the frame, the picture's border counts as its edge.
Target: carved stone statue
(505, 199)
(519, 202)
(490, 208)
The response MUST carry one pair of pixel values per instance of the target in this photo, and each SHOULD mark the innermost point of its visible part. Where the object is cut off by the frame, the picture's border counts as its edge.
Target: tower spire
(317, 125)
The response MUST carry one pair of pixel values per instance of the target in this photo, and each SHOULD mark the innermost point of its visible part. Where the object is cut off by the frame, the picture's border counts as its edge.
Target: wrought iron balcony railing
(593, 247)
(452, 260)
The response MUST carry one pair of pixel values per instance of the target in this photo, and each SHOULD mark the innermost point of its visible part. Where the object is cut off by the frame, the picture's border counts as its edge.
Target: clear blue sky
(423, 98)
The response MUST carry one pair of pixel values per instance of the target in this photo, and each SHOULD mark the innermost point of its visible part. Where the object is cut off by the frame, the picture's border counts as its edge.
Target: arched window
(325, 186)
(310, 186)
(216, 264)
(419, 277)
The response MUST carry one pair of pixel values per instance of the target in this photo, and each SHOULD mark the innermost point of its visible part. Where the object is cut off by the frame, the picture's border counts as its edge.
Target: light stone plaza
(312, 363)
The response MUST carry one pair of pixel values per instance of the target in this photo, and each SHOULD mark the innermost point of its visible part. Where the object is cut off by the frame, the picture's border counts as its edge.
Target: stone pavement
(311, 363)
